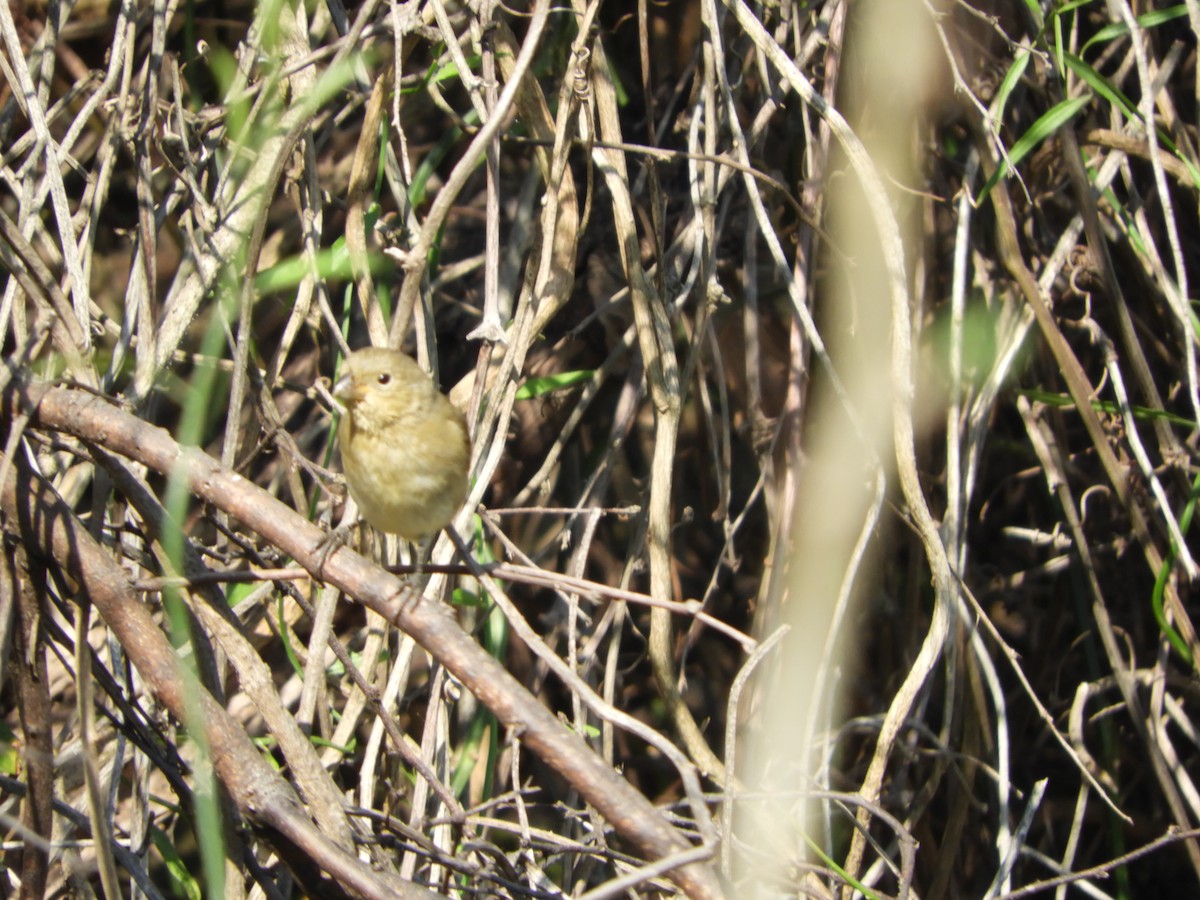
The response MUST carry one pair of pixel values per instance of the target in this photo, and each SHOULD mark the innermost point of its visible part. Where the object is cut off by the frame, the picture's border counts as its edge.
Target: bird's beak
(346, 391)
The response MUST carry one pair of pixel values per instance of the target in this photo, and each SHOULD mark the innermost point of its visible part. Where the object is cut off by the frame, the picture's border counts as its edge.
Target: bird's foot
(330, 544)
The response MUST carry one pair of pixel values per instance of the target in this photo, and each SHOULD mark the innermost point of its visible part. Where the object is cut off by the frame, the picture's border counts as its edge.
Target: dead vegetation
(831, 370)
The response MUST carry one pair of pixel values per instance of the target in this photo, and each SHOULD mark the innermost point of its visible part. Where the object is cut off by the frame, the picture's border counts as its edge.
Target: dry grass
(832, 378)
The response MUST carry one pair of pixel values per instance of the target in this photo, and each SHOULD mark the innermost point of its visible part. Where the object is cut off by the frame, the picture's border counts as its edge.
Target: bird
(404, 446)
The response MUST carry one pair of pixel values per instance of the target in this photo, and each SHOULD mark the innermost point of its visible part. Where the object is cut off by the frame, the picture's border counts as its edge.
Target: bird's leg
(336, 539)
(408, 555)
(331, 543)
(418, 555)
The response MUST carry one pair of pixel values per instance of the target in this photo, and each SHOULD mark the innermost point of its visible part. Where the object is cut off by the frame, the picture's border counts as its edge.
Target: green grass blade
(1146, 20)
(1052, 120)
(1011, 78)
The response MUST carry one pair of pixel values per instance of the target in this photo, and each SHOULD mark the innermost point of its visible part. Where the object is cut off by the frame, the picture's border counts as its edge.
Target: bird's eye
(384, 378)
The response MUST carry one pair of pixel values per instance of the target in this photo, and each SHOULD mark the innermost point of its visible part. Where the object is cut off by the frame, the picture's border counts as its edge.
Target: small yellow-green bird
(405, 449)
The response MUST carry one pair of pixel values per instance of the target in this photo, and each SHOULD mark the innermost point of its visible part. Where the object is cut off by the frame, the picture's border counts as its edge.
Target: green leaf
(287, 640)
(1059, 48)
(539, 387)
(334, 80)
(1109, 91)
(1102, 86)
(1035, 10)
(265, 745)
(1146, 20)
(239, 592)
(1011, 79)
(344, 749)
(1144, 413)
(850, 879)
(10, 757)
(181, 879)
(978, 342)
(1052, 120)
(223, 67)
(463, 597)
(330, 263)
(1072, 6)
